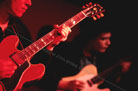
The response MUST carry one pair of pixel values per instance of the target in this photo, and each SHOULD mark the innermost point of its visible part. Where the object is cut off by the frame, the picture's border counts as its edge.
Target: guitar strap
(87, 60)
(8, 31)
(17, 35)
(1, 35)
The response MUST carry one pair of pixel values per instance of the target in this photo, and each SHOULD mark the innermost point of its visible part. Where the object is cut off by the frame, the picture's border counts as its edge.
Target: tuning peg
(90, 3)
(83, 7)
(94, 18)
(95, 4)
(86, 5)
(98, 16)
(99, 6)
(101, 14)
(95, 9)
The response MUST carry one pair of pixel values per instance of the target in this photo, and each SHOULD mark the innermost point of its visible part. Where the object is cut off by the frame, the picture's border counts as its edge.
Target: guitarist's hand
(7, 68)
(61, 34)
(74, 85)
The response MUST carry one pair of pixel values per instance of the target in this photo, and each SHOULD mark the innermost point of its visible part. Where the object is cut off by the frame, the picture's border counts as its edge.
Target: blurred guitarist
(90, 47)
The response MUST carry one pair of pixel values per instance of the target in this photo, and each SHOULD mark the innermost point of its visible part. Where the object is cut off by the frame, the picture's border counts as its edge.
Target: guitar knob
(87, 5)
(83, 7)
(90, 3)
(99, 6)
(101, 14)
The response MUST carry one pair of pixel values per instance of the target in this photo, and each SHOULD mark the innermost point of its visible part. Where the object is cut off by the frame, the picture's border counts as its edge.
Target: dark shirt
(16, 27)
(68, 60)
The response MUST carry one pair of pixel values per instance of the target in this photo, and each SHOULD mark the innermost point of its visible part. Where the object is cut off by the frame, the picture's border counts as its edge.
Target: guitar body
(87, 73)
(25, 73)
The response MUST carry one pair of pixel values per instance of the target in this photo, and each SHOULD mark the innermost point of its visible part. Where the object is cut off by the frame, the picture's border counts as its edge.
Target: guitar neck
(75, 19)
(35, 47)
(108, 72)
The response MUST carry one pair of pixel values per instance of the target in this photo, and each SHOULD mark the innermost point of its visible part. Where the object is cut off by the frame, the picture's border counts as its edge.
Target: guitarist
(89, 47)
(10, 24)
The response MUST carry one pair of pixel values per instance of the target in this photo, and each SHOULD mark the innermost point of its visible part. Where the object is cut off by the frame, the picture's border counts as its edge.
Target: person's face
(101, 43)
(19, 7)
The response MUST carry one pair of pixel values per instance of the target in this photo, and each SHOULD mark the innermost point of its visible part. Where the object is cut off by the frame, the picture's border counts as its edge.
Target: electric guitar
(91, 78)
(26, 71)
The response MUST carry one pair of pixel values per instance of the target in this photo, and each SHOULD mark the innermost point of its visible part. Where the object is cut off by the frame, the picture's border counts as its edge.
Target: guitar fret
(79, 17)
(48, 39)
(23, 57)
(25, 53)
(29, 50)
(74, 20)
(34, 48)
(83, 13)
(43, 43)
(37, 47)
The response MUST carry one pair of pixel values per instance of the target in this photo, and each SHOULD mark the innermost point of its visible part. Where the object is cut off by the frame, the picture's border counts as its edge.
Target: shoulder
(20, 27)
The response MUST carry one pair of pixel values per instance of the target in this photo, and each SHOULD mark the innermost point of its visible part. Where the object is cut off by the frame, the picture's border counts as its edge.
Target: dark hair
(89, 30)
(92, 29)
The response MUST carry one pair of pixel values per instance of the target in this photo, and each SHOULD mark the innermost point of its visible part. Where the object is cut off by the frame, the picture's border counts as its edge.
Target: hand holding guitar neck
(61, 34)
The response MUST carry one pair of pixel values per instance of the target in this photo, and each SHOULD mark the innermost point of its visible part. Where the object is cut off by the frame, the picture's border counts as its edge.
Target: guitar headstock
(93, 10)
